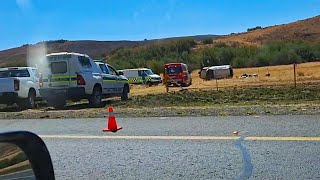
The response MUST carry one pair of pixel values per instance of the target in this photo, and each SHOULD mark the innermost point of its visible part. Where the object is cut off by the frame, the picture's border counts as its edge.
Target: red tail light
(80, 80)
(16, 84)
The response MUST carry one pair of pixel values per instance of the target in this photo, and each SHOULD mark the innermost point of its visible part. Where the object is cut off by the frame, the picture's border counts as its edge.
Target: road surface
(266, 147)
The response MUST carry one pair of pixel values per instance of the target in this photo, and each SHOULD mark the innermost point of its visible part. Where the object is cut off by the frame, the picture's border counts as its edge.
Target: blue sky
(31, 21)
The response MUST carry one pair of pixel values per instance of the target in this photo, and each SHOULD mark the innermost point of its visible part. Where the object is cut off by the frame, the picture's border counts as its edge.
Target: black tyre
(28, 103)
(125, 93)
(184, 85)
(95, 99)
(149, 83)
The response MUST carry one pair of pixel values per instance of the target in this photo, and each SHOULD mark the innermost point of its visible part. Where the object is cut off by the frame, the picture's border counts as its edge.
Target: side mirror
(23, 155)
(120, 73)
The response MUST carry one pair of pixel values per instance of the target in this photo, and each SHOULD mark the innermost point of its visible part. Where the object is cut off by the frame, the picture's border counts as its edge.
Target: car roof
(17, 68)
(136, 69)
(175, 64)
(66, 53)
(219, 67)
(98, 62)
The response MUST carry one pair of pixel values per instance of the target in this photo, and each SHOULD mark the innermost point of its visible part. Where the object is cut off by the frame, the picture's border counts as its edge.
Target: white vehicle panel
(6, 85)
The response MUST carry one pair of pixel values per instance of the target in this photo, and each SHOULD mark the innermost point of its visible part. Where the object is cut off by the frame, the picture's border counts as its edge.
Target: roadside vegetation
(229, 102)
(248, 96)
(155, 55)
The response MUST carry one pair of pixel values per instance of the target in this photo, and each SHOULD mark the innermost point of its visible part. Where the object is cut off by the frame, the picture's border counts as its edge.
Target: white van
(141, 76)
(74, 76)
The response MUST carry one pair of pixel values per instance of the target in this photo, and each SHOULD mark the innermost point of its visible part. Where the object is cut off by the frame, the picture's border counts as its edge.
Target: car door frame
(107, 78)
(118, 88)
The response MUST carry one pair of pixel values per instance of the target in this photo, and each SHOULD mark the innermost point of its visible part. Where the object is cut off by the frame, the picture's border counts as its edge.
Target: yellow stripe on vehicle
(56, 77)
(58, 82)
(109, 80)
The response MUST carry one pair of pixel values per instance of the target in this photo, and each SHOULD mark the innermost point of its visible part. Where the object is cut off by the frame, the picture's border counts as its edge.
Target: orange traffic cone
(112, 123)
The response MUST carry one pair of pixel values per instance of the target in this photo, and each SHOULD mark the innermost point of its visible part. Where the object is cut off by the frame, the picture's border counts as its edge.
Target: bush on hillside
(208, 41)
(255, 28)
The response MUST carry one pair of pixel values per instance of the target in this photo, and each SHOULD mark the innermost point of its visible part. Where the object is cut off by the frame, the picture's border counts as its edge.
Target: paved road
(267, 147)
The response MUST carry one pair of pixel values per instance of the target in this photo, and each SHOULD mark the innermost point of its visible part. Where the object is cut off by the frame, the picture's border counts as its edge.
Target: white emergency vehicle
(20, 85)
(141, 76)
(74, 76)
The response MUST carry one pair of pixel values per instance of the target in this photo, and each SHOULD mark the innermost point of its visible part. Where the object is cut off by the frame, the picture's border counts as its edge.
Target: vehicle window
(36, 73)
(14, 73)
(58, 67)
(104, 69)
(112, 70)
(174, 70)
(148, 72)
(185, 68)
(85, 62)
(3, 74)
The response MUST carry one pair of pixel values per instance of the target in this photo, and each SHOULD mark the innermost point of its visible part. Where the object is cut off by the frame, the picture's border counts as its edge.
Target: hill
(304, 30)
(95, 49)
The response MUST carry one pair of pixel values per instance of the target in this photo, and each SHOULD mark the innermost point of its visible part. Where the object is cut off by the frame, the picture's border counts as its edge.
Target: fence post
(217, 84)
(295, 75)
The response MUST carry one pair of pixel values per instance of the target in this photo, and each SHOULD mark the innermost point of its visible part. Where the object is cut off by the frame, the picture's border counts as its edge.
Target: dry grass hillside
(307, 74)
(306, 30)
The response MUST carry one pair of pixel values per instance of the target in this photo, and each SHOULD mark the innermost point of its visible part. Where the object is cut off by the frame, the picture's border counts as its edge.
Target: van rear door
(60, 74)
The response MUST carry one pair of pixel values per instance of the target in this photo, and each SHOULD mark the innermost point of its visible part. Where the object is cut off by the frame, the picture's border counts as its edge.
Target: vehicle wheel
(95, 100)
(149, 84)
(125, 93)
(28, 103)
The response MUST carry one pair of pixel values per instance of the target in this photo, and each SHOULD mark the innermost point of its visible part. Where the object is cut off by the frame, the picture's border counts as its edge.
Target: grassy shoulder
(232, 102)
(234, 97)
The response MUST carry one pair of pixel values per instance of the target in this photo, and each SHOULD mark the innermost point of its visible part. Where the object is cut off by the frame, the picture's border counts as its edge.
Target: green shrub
(208, 41)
